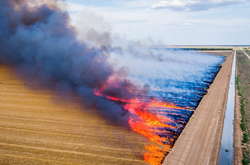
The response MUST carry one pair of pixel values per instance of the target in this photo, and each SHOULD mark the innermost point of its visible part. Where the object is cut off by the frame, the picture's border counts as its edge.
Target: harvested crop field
(38, 129)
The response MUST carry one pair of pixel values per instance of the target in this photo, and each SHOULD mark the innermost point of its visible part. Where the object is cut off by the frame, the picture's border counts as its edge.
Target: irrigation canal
(226, 156)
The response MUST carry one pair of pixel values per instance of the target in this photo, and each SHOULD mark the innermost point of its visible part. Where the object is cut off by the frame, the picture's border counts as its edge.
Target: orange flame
(149, 119)
(146, 124)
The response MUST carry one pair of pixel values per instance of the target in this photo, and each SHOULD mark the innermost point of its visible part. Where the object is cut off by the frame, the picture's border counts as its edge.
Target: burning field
(153, 92)
(173, 94)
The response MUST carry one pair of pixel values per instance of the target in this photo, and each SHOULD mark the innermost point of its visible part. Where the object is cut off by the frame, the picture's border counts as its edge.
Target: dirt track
(200, 141)
(37, 129)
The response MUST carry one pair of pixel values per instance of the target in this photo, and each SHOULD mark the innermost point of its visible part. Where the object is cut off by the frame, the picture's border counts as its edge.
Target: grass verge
(242, 83)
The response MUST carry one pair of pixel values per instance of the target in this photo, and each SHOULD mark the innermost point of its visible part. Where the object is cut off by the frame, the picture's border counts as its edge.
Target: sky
(172, 22)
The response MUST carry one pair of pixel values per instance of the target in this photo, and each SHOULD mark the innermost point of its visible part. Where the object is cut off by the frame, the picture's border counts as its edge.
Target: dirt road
(199, 143)
(37, 129)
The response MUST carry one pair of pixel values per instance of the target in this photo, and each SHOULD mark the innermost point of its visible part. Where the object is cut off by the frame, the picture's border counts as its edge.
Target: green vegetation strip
(243, 124)
(243, 109)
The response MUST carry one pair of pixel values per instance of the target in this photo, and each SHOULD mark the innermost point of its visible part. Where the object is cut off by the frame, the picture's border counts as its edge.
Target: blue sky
(170, 21)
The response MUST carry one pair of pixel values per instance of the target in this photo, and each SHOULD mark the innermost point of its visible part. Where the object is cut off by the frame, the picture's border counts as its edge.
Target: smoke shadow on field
(111, 112)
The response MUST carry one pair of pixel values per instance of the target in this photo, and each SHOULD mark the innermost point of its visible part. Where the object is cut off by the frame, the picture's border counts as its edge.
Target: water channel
(226, 156)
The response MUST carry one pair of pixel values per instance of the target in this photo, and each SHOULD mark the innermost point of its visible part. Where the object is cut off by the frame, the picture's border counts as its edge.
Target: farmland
(79, 91)
(37, 128)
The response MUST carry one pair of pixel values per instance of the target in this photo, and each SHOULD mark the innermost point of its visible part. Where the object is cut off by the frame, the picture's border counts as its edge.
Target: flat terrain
(199, 142)
(38, 129)
(244, 92)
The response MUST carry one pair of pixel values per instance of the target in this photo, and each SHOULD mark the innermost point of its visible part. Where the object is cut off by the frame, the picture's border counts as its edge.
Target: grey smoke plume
(37, 39)
(40, 37)
(92, 29)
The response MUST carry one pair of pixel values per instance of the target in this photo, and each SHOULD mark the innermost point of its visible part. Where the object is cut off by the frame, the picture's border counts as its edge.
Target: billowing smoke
(40, 38)
(37, 39)
(154, 91)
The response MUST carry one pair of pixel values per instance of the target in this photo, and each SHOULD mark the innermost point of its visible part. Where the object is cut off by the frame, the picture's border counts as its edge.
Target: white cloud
(195, 5)
(225, 26)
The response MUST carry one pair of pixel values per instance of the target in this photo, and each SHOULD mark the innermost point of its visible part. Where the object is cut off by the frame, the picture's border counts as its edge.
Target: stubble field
(36, 128)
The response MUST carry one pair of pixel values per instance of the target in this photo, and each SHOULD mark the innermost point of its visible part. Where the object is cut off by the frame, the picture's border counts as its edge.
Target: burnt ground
(199, 142)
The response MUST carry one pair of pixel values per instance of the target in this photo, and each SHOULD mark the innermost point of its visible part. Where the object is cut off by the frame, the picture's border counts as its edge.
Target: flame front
(153, 119)
(149, 122)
